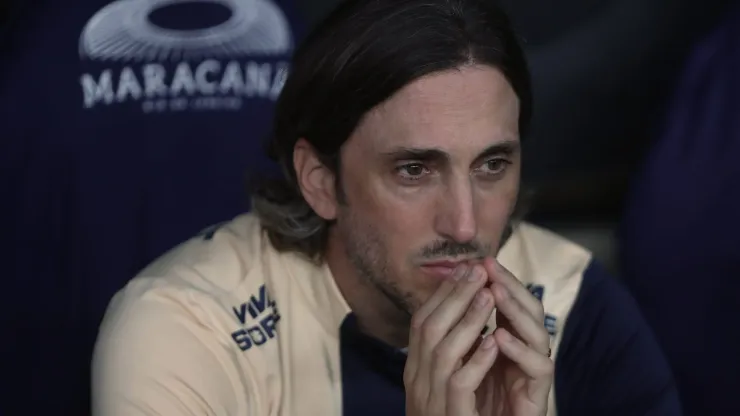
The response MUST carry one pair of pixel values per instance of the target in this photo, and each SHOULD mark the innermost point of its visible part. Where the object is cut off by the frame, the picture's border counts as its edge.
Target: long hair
(357, 58)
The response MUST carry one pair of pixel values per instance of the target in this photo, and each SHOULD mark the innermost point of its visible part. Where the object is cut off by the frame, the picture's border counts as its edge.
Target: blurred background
(127, 126)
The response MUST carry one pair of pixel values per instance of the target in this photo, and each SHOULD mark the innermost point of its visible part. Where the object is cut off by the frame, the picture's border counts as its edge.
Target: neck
(376, 315)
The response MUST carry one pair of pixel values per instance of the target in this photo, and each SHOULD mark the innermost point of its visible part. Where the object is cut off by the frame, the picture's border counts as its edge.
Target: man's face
(430, 179)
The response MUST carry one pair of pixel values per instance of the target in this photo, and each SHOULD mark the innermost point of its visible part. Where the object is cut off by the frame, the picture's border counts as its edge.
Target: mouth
(443, 269)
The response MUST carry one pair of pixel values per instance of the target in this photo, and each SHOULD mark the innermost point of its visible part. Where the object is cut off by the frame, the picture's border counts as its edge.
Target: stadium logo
(176, 55)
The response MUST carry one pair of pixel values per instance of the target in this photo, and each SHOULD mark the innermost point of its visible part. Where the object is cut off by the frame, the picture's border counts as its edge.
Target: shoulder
(219, 268)
(225, 264)
(177, 334)
(605, 308)
(218, 259)
(220, 279)
(609, 361)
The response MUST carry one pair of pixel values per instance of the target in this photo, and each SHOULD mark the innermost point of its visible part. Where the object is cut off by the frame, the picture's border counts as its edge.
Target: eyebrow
(507, 148)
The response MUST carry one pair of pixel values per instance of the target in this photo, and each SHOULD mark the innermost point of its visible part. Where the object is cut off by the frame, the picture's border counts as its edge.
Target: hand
(446, 360)
(522, 375)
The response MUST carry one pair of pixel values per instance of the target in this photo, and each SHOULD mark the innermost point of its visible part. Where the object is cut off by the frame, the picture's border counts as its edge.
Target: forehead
(468, 108)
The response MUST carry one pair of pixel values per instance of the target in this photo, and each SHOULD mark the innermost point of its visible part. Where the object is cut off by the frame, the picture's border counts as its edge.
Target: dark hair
(358, 57)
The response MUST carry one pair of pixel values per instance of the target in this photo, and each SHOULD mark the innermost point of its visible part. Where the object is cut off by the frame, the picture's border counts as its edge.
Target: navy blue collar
(383, 358)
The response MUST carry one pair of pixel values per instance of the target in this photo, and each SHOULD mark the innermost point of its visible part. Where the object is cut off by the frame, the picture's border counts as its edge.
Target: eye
(412, 171)
(494, 166)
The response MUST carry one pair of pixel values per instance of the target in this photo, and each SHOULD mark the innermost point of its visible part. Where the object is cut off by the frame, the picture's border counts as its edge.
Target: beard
(368, 253)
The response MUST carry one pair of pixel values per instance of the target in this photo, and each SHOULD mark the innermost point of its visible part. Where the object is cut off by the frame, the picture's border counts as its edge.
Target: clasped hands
(452, 369)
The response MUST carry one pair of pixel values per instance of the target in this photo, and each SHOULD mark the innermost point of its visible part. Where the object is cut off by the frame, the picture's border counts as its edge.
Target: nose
(455, 218)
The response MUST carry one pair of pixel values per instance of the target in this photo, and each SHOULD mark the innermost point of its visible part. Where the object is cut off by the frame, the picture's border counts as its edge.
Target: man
(351, 290)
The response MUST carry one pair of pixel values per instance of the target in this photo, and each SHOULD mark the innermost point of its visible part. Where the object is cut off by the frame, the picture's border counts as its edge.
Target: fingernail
(505, 336)
(481, 300)
(459, 271)
(488, 342)
(475, 274)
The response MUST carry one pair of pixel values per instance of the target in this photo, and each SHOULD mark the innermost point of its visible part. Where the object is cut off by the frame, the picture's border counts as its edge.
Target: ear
(316, 181)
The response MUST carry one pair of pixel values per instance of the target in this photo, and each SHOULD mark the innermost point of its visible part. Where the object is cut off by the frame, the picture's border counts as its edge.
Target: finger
(452, 350)
(442, 292)
(519, 321)
(465, 381)
(445, 316)
(499, 274)
(538, 367)
(420, 316)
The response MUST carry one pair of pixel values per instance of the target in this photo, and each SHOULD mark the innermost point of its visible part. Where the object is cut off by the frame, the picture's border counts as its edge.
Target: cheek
(402, 220)
(403, 224)
(495, 208)
(394, 210)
